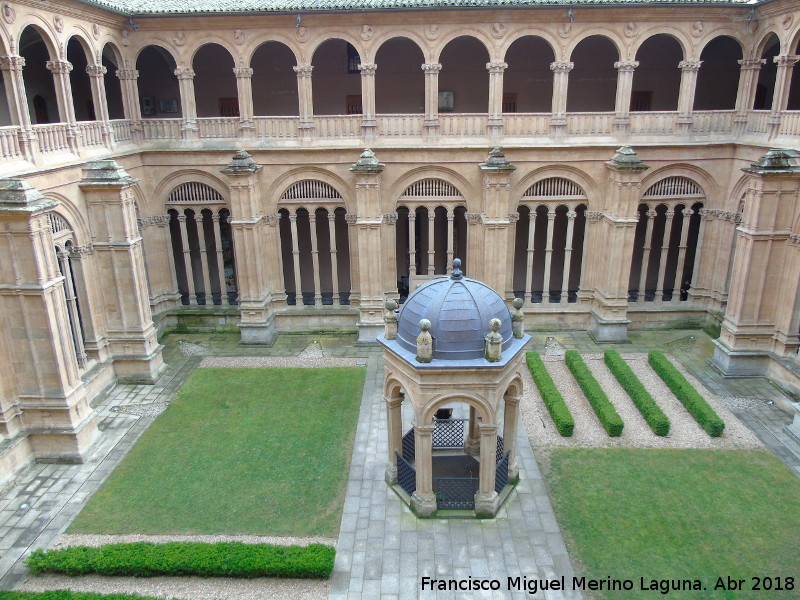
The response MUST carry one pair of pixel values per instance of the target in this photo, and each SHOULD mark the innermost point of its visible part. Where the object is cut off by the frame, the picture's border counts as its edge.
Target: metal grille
(448, 433)
(501, 474)
(455, 493)
(195, 192)
(554, 187)
(499, 453)
(311, 189)
(674, 187)
(431, 188)
(408, 445)
(406, 475)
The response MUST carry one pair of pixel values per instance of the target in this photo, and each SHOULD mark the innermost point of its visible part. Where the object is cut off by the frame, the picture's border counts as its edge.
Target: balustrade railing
(52, 137)
(91, 133)
(526, 124)
(218, 127)
(277, 127)
(463, 124)
(653, 123)
(757, 122)
(161, 129)
(712, 121)
(338, 126)
(790, 122)
(9, 143)
(400, 125)
(594, 123)
(121, 129)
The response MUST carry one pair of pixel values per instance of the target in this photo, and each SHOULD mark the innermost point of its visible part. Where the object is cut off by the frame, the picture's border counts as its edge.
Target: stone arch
(515, 387)
(720, 32)
(480, 404)
(463, 32)
(675, 33)
(399, 78)
(344, 36)
(408, 34)
(172, 181)
(44, 29)
(215, 89)
(393, 383)
(274, 82)
(577, 176)
(764, 40)
(170, 49)
(700, 177)
(81, 56)
(431, 172)
(602, 32)
(528, 79)
(112, 59)
(288, 179)
(73, 216)
(510, 38)
(235, 55)
(265, 38)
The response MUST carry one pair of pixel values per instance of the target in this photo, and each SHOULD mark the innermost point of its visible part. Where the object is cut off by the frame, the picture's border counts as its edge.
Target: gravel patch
(191, 349)
(236, 362)
(143, 410)
(94, 540)
(186, 588)
(684, 430)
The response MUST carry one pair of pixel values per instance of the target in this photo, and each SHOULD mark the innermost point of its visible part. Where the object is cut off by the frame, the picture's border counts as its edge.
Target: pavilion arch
(675, 33)
(253, 47)
(515, 388)
(510, 38)
(482, 407)
(468, 32)
(393, 386)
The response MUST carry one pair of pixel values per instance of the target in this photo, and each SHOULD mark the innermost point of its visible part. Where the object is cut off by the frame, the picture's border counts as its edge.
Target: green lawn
(239, 451)
(676, 514)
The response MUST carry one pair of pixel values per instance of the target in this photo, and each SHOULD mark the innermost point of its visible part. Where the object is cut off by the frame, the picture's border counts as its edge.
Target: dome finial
(456, 273)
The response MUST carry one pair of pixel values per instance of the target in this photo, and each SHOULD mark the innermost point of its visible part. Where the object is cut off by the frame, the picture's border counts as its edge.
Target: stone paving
(383, 549)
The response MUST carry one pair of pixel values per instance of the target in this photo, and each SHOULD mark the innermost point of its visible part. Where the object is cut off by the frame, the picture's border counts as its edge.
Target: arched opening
(112, 62)
(274, 81)
(528, 80)
(215, 90)
(464, 80)
(794, 87)
(159, 93)
(657, 79)
(39, 85)
(399, 80)
(336, 79)
(5, 106)
(82, 100)
(593, 80)
(767, 75)
(718, 78)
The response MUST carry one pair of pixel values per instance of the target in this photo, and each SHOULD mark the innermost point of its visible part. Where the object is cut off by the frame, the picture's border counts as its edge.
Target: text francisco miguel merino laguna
(533, 585)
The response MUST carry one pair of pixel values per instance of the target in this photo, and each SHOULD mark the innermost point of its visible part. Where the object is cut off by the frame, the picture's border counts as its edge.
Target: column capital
(690, 65)
(594, 216)
(367, 68)
(497, 66)
(182, 218)
(551, 215)
(562, 66)
(80, 251)
(687, 212)
(303, 70)
(571, 214)
(487, 429)
(184, 73)
(652, 213)
(388, 218)
(12, 63)
(424, 430)
(752, 64)
(432, 67)
(243, 72)
(153, 220)
(786, 60)
(96, 70)
(394, 402)
(669, 214)
(513, 217)
(59, 66)
(127, 74)
(351, 219)
(626, 65)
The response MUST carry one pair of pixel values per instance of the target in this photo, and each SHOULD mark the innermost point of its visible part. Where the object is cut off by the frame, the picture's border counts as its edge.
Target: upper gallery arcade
(171, 163)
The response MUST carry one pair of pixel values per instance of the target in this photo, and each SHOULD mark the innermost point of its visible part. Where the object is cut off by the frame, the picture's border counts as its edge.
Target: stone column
(431, 240)
(368, 123)
(199, 222)
(687, 214)
(412, 244)
(648, 242)
(662, 265)
(746, 95)
(622, 106)
(529, 266)
(72, 307)
(487, 501)
(298, 294)
(548, 255)
(496, 70)
(497, 172)
(431, 71)
(510, 420)
(305, 97)
(755, 324)
(98, 83)
(224, 299)
(187, 259)
(609, 258)
(312, 225)
(450, 239)
(66, 109)
(255, 238)
(394, 423)
(189, 127)
(93, 321)
(567, 256)
(423, 501)
(53, 404)
(244, 88)
(560, 69)
(133, 340)
(159, 260)
(334, 258)
(367, 171)
(689, 69)
(783, 82)
(130, 100)
(18, 103)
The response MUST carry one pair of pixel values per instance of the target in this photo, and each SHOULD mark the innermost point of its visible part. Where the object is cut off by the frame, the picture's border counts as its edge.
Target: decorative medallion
(96, 31)
(432, 32)
(787, 20)
(698, 28)
(58, 21)
(9, 14)
(238, 36)
(498, 30)
(366, 33)
(631, 29)
(565, 30)
(125, 40)
(179, 39)
(301, 33)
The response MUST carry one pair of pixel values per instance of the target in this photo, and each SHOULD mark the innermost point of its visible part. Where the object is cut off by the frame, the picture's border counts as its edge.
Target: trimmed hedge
(552, 397)
(651, 412)
(602, 406)
(224, 559)
(67, 595)
(685, 392)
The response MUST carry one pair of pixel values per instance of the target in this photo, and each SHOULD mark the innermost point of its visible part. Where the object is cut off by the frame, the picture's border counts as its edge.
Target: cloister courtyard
(586, 506)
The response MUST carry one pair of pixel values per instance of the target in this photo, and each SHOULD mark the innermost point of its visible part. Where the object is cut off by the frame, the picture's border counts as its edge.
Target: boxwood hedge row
(67, 595)
(224, 559)
(552, 397)
(606, 412)
(685, 392)
(651, 412)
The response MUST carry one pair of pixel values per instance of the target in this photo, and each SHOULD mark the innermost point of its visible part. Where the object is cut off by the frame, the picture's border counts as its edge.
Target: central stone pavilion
(453, 343)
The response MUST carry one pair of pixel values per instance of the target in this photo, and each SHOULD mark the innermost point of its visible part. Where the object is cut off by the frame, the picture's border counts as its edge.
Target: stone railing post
(189, 127)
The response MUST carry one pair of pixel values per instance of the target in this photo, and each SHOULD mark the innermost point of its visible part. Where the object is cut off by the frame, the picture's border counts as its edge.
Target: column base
(513, 472)
(423, 505)
(606, 331)
(738, 363)
(390, 475)
(258, 333)
(487, 505)
(472, 446)
(67, 446)
(141, 370)
(368, 333)
(793, 429)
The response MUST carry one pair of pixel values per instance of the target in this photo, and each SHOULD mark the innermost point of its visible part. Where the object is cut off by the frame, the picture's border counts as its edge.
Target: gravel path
(684, 430)
(94, 540)
(237, 362)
